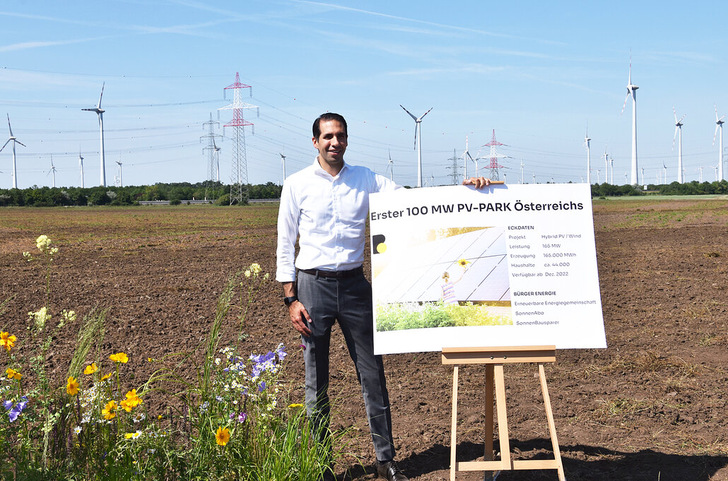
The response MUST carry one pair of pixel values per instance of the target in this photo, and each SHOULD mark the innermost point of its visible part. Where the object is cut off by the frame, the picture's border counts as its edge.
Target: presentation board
(508, 265)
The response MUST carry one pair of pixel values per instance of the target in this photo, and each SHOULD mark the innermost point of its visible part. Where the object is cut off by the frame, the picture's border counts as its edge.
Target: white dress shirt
(328, 215)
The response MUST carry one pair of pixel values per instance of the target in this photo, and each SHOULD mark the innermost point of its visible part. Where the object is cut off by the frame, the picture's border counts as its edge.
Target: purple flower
(281, 351)
(15, 411)
(261, 387)
(242, 417)
(7, 405)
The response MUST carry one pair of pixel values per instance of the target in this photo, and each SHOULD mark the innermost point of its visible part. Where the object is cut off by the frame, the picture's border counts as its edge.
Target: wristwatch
(289, 300)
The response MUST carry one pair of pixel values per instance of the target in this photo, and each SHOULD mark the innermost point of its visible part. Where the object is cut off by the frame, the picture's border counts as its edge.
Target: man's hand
(478, 182)
(299, 317)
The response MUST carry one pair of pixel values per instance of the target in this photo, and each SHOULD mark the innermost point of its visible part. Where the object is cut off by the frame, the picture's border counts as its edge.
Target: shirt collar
(320, 171)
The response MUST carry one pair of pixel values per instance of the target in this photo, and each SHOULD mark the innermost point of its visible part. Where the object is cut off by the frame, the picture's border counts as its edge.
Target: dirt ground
(652, 406)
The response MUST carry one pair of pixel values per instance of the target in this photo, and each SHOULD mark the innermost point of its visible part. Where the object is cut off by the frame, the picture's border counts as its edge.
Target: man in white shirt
(325, 206)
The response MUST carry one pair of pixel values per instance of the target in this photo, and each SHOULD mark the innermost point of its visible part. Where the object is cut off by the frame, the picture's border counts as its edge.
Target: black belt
(335, 274)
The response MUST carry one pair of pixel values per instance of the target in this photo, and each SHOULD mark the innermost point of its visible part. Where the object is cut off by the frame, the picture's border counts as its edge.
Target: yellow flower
(463, 263)
(105, 377)
(295, 405)
(72, 386)
(119, 357)
(90, 369)
(13, 374)
(133, 435)
(131, 401)
(109, 411)
(7, 340)
(222, 436)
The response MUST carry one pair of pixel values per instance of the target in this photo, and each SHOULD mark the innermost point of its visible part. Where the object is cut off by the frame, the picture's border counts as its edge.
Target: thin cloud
(422, 22)
(40, 44)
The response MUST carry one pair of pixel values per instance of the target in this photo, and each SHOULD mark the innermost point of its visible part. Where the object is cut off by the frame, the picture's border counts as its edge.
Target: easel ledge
(498, 355)
(494, 358)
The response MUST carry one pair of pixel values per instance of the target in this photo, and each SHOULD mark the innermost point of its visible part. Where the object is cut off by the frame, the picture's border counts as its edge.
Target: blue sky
(539, 73)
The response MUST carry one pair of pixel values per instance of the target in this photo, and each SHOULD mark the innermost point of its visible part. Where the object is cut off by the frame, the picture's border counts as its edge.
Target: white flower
(77, 430)
(42, 243)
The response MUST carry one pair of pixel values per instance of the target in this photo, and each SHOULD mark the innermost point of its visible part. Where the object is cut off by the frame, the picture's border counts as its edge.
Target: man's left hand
(478, 182)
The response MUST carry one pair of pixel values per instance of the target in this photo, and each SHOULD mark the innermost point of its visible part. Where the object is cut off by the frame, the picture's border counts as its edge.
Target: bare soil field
(652, 406)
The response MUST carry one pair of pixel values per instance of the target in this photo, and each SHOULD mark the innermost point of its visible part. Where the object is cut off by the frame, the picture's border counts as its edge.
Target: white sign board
(508, 265)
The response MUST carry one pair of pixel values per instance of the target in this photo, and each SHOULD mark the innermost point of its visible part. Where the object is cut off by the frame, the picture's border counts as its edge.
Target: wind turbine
(588, 157)
(418, 145)
(632, 91)
(121, 182)
(217, 159)
(466, 156)
(53, 171)
(678, 128)
(283, 164)
(100, 113)
(719, 125)
(16, 141)
(390, 166)
(80, 164)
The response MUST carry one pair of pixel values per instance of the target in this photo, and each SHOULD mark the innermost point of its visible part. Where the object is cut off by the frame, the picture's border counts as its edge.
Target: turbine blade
(673, 138)
(408, 112)
(19, 142)
(674, 114)
(10, 129)
(6, 143)
(102, 94)
(624, 105)
(423, 115)
(716, 132)
(415, 146)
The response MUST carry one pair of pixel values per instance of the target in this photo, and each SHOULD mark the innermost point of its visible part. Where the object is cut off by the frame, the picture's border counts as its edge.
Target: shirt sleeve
(383, 184)
(288, 217)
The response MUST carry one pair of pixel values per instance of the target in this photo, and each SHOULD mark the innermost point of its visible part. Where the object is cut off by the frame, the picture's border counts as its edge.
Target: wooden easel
(494, 358)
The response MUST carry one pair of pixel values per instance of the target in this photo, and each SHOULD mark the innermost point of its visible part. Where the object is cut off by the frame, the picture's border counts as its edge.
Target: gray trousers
(349, 301)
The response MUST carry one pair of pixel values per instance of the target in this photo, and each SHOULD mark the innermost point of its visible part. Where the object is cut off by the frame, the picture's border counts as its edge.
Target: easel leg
(500, 400)
(552, 424)
(489, 454)
(454, 425)
(489, 407)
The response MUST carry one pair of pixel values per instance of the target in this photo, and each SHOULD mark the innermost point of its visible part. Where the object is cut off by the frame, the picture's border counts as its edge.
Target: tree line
(674, 188)
(176, 193)
(219, 194)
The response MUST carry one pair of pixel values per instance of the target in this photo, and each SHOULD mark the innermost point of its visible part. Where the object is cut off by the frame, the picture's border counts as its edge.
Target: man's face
(332, 142)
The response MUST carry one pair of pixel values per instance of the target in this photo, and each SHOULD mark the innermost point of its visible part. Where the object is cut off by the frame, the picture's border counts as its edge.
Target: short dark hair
(326, 117)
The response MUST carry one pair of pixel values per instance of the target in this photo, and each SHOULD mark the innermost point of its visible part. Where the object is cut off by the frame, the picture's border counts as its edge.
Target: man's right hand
(299, 317)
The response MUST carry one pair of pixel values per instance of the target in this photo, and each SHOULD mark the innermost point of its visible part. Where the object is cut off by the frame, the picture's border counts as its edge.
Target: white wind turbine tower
(80, 165)
(217, 159)
(283, 165)
(100, 113)
(418, 145)
(390, 166)
(719, 125)
(16, 141)
(53, 171)
(466, 156)
(588, 157)
(678, 132)
(121, 182)
(632, 91)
